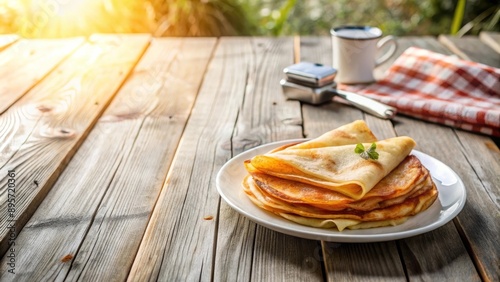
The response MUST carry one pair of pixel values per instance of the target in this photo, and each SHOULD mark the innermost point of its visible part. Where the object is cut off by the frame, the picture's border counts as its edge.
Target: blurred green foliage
(397, 17)
(46, 18)
(203, 18)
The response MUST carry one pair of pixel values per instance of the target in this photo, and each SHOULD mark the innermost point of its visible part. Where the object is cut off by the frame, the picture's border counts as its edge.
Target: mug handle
(381, 43)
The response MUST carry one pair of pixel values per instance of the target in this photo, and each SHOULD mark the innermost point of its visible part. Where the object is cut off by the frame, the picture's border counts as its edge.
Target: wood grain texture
(482, 158)
(17, 74)
(381, 268)
(180, 246)
(280, 257)
(363, 262)
(179, 242)
(7, 39)
(491, 39)
(137, 183)
(236, 234)
(384, 129)
(446, 256)
(129, 189)
(440, 254)
(126, 158)
(266, 116)
(471, 48)
(44, 129)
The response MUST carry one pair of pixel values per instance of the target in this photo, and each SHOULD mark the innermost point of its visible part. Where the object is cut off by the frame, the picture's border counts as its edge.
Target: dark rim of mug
(334, 31)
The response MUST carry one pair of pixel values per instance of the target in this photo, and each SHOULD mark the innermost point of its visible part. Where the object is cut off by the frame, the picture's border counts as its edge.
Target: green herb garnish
(366, 154)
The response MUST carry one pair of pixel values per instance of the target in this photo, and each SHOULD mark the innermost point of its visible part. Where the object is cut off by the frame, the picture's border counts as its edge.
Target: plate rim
(340, 236)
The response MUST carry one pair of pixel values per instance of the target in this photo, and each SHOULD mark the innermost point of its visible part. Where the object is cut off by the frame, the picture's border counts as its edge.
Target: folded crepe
(336, 168)
(324, 183)
(406, 179)
(351, 133)
(347, 218)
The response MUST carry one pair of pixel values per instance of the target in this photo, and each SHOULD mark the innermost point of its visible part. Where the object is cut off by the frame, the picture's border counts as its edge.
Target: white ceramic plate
(451, 201)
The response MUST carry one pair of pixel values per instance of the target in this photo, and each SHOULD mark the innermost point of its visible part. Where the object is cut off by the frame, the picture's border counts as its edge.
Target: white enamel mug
(355, 50)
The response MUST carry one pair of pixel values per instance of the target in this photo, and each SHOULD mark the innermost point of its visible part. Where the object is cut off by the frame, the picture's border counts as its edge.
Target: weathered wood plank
(463, 262)
(7, 39)
(419, 260)
(128, 154)
(338, 265)
(491, 39)
(363, 262)
(236, 234)
(154, 154)
(17, 74)
(281, 257)
(180, 246)
(483, 157)
(199, 238)
(43, 129)
(267, 116)
(429, 256)
(471, 48)
(178, 243)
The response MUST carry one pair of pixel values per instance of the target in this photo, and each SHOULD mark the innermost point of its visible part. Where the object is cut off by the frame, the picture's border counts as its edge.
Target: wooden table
(111, 144)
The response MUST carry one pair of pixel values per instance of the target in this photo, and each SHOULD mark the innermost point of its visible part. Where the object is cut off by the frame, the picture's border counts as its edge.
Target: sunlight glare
(62, 18)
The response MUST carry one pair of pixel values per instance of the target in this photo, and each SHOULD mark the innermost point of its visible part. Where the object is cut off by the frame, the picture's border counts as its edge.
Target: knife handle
(368, 105)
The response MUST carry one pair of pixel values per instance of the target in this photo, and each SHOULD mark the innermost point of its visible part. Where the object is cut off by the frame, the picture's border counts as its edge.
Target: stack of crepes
(324, 183)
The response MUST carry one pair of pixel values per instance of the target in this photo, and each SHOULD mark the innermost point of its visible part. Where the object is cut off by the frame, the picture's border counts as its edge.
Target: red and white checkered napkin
(442, 89)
